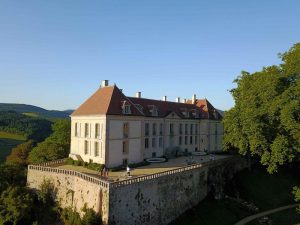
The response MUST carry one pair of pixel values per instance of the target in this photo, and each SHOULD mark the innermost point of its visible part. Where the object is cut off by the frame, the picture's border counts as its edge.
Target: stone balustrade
(106, 184)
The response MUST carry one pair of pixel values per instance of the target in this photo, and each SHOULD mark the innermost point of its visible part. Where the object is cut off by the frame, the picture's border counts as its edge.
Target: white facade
(114, 144)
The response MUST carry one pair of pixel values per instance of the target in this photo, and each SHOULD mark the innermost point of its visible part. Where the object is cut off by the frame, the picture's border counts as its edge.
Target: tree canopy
(36, 129)
(19, 154)
(56, 146)
(265, 120)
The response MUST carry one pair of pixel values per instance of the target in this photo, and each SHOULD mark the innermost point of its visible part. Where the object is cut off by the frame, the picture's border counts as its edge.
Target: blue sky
(55, 53)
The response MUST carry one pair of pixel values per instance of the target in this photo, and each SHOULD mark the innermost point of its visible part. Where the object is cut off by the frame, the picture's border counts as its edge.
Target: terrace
(153, 168)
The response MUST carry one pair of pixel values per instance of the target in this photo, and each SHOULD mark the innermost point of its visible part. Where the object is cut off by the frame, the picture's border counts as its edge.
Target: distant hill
(31, 110)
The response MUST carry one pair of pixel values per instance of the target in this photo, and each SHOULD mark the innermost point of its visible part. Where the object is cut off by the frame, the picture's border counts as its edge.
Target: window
(86, 147)
(154, 129)
(180, 140)
(146, 129)
(96, 149)
(153, 142)
(216, 140)
(153, 110)
(125, 147)
(216, 129)
(171, 129)
(196, 140)
(126, 108)
(125, 162)
(125, 130)
(101, 152)
(161, 129)
(180, 128)
(196, 129)
(191, 140)
(153, 154)
(186, 140)
(191, 128)
(160, 142)
(97, 130)
(76, 129)
(86, 130)
(146, 142)
(186, 128)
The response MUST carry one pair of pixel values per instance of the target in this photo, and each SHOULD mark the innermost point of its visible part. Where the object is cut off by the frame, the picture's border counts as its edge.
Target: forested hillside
(33, 128)
(38, 111)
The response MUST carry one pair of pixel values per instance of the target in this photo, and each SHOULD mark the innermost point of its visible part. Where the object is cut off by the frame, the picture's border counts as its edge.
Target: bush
(69, 161)
(95, 166)
(78, 163)
(134, 165)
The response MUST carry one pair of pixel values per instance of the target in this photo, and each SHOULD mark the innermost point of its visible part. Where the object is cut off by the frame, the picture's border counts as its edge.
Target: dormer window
(185, 112)
(139, 107)
(126, 108)
(153, 109)
(195, 113)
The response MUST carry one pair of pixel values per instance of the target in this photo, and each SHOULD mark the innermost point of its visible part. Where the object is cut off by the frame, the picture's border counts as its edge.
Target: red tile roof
(109, 101)
(105, 101)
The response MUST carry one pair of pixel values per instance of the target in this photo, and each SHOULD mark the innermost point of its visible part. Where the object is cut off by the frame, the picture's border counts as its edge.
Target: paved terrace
(153, 168)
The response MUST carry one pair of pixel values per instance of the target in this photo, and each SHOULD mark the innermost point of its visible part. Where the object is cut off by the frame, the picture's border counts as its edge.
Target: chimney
(164, 98)
(138, 94)
(104, 83)
(194, 98)
(178, 99)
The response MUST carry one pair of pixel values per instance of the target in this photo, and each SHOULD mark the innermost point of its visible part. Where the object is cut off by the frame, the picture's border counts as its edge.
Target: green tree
(297, 196)
(15, 206)
(11, 175)
(19, 154)
(265, 120)
(56, 146)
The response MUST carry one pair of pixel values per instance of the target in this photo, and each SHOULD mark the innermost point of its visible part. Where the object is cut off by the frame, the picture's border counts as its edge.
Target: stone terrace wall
(153, 199)
(160, 198)
(72, 188)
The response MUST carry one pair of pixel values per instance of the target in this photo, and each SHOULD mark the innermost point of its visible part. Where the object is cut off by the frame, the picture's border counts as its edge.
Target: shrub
(95, 166)
(78, 163)
(69, 161)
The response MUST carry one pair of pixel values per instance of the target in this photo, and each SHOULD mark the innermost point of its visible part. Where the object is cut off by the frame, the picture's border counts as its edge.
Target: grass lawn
(7, 142)
(264, 190)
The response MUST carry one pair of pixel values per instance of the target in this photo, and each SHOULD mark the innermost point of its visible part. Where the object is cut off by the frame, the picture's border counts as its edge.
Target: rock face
(154, 199)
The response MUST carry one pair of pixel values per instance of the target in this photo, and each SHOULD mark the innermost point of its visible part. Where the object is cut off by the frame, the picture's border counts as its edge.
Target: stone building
(113, 129)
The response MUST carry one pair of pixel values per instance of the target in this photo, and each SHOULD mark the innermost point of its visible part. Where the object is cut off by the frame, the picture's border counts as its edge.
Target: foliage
(90, 217)
(5, 147)
(70, 216)
(297, 196)
(36, 129)
(19, 154)
(15, 206)
(11, 175)
(56, 146)
(47, 193)
(265, 120)
(34, 110)
(91, 166)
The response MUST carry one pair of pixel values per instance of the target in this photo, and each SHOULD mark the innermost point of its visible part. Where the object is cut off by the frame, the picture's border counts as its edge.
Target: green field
(31, 114)
(264, 190)
(7, 142)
